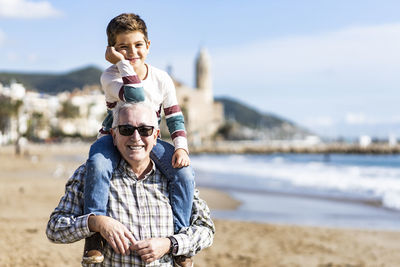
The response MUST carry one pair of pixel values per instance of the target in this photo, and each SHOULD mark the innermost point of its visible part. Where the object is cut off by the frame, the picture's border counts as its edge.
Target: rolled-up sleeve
(200, 233)
(67, 224)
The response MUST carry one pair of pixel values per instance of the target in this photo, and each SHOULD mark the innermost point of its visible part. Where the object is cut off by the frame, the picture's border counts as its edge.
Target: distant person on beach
(130, 79)
(139, 225)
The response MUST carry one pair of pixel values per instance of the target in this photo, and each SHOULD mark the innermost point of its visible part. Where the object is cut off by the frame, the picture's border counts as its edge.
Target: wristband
(174, 245)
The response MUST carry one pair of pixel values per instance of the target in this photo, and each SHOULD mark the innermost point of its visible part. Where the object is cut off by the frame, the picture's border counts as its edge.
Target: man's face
(133, 47)
(135, 149)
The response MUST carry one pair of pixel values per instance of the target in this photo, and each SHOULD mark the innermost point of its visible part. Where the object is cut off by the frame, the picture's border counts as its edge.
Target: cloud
(12, 57)
(319, 121)
(32, 58)
(356, 118)
(351, 119)
(26, 9)
(360, 118)
(353, 56)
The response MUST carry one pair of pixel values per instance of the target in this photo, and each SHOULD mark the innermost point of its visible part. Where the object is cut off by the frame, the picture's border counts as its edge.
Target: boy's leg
(181, 190)
(181, 183)
(103, 159)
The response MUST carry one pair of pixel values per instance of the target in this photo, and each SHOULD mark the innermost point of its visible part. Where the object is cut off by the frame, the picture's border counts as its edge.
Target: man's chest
(142, 206)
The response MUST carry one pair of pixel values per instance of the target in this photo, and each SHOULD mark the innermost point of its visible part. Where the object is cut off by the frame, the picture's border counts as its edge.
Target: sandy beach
(32, 184)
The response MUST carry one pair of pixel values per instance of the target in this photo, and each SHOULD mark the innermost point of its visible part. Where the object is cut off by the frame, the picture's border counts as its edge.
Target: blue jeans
(104, 158)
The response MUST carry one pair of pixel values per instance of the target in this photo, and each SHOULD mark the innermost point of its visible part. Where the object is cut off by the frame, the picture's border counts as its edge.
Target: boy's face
(133, 47)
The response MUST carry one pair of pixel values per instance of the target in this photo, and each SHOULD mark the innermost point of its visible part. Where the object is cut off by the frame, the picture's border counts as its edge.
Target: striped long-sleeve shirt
(141, 205)
(120, 83)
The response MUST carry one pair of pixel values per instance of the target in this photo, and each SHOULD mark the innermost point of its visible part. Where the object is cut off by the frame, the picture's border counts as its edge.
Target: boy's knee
(101, 145)
(186, 174)
(98, 163)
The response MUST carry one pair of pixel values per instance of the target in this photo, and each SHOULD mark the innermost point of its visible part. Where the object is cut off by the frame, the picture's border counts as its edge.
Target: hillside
(244, 122)
(55, 83)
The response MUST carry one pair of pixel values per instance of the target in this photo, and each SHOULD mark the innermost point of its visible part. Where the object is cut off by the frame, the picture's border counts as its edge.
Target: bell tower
(203, 75)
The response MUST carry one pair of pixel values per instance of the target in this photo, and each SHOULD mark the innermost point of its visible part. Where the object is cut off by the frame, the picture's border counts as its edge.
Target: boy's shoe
(182, 261)
(92, 252)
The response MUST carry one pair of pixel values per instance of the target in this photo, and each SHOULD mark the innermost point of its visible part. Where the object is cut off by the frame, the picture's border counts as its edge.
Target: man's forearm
(200, 234)
(67, 224)
(93, 223)
(67, 229)
(194, 240)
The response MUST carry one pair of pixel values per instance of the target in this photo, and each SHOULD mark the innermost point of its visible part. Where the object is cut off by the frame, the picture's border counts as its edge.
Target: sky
(331, 66)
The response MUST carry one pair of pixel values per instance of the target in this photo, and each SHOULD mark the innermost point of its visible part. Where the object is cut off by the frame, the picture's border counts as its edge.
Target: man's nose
(136, 136)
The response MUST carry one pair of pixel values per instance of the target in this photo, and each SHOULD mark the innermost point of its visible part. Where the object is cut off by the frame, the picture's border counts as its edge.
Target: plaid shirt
(141, 205)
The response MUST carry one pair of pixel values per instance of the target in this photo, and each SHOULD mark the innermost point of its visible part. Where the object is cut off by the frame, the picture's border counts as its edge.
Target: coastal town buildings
(41, 116)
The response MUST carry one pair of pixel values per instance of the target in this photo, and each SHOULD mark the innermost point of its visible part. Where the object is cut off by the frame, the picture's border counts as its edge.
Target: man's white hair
(125, 105)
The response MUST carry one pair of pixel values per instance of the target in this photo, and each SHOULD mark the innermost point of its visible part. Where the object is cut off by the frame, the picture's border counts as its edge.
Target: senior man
(139, 227)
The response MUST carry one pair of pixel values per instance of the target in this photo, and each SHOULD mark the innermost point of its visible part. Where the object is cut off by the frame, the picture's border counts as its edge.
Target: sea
(327, 190)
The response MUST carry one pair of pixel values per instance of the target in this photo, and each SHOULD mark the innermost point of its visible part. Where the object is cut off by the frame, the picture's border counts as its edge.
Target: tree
(68, 110)
(35, 123)
(8, 109)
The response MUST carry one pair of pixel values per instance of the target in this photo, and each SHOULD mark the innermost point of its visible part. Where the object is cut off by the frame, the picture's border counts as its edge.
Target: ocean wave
(311, 174)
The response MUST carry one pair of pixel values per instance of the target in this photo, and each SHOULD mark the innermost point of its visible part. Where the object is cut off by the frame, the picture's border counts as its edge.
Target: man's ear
(155, 136)
(113, 134)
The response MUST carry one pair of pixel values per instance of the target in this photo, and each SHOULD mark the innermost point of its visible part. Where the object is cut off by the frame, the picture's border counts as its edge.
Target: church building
(203, 116)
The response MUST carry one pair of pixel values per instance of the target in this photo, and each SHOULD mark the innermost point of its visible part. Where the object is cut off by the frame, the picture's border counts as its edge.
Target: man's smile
(135, 147)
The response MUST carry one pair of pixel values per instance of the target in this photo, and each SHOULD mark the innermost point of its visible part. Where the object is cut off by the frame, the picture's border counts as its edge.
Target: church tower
(203, 75)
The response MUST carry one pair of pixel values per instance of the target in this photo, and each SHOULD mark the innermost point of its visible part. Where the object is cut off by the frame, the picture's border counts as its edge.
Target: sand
(31, 186)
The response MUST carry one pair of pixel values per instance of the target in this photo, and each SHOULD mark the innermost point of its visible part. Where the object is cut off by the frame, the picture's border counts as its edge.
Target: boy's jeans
(104, 158)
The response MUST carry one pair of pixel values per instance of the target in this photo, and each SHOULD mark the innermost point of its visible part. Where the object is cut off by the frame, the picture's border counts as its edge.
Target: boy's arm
(120, 82)
(67, 224)
(200, 233)
(174, 116)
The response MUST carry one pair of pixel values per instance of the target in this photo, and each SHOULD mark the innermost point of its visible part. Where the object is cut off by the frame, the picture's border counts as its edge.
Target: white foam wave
(377, 182)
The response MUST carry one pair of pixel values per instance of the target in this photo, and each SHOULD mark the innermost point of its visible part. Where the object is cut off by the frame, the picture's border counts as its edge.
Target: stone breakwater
(269, 148)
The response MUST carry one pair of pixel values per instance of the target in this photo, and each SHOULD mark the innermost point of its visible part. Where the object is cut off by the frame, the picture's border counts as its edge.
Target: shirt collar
(125, 168)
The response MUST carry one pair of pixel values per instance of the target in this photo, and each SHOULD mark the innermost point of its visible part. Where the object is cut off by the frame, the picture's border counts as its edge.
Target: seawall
(290, 147)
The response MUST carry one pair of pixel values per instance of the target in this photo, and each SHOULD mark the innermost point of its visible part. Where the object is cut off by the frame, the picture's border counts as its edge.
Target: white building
(40, 113)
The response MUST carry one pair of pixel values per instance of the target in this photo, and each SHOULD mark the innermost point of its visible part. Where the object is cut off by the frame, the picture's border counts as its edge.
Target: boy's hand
(113, 56)
(180, 158)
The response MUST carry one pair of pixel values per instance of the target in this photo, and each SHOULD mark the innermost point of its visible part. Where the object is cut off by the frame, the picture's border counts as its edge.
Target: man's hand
(151, 249)
(116, 234)
(180, 158)
(113, 56)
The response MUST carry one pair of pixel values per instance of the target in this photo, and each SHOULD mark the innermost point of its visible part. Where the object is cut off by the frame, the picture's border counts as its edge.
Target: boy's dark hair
(126, 22)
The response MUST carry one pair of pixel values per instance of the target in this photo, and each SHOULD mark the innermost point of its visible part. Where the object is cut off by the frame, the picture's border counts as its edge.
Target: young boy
(130, 79)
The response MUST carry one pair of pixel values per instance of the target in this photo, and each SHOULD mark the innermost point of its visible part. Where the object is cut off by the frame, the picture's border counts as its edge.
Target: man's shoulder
(78, 176)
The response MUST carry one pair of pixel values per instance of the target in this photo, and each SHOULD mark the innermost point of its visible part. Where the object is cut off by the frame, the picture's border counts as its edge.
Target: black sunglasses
(128, 130)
